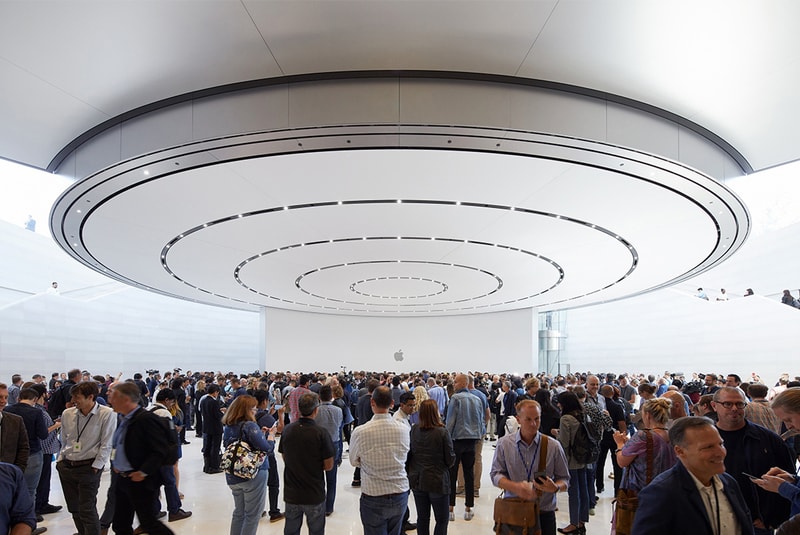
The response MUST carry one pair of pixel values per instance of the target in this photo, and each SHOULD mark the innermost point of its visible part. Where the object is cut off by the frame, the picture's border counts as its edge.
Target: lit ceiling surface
(474, 221)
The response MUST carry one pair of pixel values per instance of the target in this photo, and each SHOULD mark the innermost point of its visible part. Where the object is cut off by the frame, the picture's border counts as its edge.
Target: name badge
(76, 447)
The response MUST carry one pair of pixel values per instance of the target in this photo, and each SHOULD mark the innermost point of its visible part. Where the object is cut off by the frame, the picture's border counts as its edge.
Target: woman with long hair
(647, 453)
(429, 461)
(572, 417)
(249, 495)
(551, 416)
(420, 395)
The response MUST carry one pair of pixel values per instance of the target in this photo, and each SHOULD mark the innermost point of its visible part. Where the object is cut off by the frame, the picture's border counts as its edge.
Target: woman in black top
(429, 462)
(551, 416)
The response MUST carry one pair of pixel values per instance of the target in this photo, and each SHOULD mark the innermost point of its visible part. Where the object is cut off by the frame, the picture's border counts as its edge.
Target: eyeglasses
(732, 404)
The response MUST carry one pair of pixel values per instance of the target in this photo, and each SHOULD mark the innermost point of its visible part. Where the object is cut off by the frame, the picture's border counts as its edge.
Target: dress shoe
(409, 526)
(274, 517)
(103, 531)
(161, 514)
(39, 518)
(180, 514)
(356, 483)
(213, 471)
(49, 508)
(185, 442)
(138, 531)
(571, 529)
(37, 531)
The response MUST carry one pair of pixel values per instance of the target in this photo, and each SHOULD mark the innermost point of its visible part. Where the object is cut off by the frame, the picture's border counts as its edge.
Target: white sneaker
(591, 511)
(469, 514)
(452, 516)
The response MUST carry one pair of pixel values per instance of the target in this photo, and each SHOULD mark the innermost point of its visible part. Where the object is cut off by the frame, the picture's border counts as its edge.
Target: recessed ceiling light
(146, 172)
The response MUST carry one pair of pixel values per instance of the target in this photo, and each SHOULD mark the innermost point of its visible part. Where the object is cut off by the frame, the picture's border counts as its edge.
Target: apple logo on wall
(398, 355)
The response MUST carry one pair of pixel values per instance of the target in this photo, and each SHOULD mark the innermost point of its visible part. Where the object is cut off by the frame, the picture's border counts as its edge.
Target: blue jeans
(383, 515)
(330, 488)
(441, 512)
(248, 504)
(590, 468)
(315, 515)
(33, 472)
(578, 497)
(170, 490)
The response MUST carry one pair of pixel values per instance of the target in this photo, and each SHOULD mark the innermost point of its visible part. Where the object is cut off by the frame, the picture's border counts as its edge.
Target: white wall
(504, 341)
(103, 326)
(681, 333)
(673, 330)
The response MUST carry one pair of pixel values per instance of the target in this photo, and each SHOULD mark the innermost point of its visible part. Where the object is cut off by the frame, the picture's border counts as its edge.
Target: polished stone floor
(211, 503)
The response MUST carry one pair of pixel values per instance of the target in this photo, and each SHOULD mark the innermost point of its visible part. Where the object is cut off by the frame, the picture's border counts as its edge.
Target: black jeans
(133, 497)
(211, 451)
(607, 445)
(80, 485)
(465, 456)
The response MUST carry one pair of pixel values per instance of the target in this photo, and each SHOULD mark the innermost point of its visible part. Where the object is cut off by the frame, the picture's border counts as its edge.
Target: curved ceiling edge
(575, 94)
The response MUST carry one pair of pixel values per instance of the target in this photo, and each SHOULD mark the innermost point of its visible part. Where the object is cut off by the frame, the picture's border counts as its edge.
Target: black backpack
(173, 441)
(585, 447)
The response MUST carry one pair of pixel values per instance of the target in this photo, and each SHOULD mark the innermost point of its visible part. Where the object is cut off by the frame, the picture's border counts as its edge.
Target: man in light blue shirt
(466, 422)
(438, 394)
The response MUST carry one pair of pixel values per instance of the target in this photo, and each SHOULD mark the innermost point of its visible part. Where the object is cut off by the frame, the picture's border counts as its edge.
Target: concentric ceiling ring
(599, 216)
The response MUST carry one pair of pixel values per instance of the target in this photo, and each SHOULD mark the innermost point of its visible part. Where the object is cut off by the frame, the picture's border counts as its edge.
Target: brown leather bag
(518, 512)
(627, 500)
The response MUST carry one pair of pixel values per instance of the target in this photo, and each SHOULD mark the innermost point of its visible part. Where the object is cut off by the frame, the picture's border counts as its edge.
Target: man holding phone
(515, 467)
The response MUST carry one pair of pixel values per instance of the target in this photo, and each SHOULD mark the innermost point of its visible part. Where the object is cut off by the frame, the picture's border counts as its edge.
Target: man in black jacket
(212, 429)
(141, 447)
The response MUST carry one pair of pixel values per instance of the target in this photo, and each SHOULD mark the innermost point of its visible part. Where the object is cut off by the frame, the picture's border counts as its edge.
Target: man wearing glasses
(752, 450)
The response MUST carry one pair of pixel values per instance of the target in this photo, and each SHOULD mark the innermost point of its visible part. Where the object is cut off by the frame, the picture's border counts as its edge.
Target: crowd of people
(725, 445)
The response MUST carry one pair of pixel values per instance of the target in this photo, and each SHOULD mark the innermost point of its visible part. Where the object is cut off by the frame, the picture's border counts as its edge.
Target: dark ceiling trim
(729, 149)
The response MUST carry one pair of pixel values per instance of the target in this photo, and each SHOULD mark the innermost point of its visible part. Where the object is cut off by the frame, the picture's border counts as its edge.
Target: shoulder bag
(240, 459)
(627, 500)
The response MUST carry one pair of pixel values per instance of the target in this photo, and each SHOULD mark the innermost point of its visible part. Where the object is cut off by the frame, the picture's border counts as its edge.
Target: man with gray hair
(308, 453)
(696, 495)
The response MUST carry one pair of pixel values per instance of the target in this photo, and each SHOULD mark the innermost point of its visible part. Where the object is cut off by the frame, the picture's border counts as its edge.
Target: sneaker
(469, 514)
(591, 511)
(459, 492)
(452, 516)
(39, 518)
(180, 514)
(477, 493)
(274, 517)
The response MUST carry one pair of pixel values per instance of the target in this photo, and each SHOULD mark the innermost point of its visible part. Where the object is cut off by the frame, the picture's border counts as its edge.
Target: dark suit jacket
(672, 504)
(211, 416)
(146, 443)
(14, 448)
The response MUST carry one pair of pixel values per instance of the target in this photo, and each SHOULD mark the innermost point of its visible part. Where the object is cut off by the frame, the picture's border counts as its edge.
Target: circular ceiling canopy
(409, 220)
